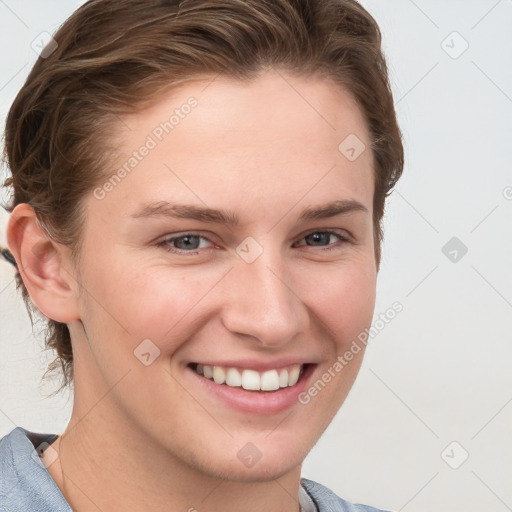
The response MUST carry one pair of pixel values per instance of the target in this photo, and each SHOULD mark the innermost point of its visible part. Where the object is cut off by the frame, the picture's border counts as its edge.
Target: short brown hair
(114, 56)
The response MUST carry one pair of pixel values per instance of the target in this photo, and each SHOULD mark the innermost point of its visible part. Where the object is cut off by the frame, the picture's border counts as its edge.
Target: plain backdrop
(427, 424)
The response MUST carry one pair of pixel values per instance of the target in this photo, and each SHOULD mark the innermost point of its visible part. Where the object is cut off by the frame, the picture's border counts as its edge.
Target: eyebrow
(186, 211)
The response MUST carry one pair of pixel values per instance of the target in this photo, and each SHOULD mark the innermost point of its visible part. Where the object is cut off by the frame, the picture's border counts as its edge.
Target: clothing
(26, 485)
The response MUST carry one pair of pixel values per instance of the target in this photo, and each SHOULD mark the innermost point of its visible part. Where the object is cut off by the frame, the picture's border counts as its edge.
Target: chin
(250, 464)
(261, 472)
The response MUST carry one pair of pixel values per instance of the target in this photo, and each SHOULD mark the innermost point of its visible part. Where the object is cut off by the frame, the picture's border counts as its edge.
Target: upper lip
(254, 364)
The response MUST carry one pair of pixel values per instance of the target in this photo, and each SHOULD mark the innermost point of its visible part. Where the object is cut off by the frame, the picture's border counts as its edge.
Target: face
(238, 245)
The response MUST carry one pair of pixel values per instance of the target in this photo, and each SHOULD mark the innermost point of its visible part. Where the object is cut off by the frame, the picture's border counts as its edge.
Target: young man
(198, 191)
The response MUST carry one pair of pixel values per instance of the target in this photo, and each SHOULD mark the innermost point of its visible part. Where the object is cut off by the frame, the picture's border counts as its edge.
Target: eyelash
(165, 243)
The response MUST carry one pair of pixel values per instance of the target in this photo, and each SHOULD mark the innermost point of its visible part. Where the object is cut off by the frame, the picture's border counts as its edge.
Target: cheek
(156, 303)
(343, 300)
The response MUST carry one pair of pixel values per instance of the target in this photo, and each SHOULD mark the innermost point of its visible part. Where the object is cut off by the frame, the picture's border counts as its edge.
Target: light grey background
(440, 371)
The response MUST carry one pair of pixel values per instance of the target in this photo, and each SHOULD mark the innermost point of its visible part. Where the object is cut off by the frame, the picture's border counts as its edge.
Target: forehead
(274, 104)
(274, 135)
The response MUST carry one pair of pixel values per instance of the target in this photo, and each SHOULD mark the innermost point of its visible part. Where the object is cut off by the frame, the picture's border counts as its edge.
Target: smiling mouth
(252, 380)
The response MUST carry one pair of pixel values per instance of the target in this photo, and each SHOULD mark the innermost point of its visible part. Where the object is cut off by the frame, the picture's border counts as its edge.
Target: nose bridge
(262, 302)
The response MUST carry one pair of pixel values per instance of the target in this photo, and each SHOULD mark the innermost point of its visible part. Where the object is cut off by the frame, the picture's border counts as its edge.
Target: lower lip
(263, 403)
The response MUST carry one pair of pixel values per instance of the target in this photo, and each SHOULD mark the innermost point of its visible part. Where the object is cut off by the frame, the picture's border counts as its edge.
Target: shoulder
(327, 501)
(25, 483)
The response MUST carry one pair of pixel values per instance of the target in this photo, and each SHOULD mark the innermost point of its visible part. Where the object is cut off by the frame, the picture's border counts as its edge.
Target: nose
(260, 302)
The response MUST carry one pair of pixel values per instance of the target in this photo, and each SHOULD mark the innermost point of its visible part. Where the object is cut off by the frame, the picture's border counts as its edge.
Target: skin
(148, 436)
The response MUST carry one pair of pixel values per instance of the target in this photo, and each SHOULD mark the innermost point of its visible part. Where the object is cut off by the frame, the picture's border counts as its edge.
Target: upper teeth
(251, 379)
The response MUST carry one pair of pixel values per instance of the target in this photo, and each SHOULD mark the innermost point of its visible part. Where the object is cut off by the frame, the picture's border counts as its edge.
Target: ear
(44, 265)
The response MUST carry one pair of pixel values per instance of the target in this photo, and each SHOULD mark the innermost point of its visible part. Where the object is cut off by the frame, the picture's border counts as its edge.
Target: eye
(185, 243)
(323, 239)
(193, 243)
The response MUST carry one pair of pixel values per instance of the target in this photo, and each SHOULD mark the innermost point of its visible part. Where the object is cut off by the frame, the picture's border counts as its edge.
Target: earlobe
(45, 269)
